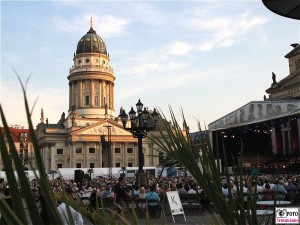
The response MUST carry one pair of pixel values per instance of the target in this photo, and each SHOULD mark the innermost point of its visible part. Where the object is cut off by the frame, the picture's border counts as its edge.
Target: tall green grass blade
(8, 214)
(43, 178)
(13, 186)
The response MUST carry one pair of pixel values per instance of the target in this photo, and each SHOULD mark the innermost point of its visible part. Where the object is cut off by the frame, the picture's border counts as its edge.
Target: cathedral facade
(80, 138)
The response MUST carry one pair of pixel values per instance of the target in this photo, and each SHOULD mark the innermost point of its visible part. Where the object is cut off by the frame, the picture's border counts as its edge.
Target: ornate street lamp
(141, 123)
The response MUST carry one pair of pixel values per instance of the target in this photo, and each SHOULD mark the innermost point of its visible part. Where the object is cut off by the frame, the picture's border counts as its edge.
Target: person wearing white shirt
(62, 210)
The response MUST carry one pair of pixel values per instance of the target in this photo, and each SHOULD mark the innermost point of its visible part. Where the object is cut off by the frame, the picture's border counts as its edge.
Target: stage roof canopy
(257, 112)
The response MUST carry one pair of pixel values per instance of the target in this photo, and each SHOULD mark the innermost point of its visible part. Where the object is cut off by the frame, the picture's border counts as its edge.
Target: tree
(90, 171)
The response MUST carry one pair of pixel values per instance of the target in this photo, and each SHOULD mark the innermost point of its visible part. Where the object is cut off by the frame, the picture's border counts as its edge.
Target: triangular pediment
(291, 79)
(101, 128)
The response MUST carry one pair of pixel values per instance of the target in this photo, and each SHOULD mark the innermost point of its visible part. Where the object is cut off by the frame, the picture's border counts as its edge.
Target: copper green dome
(91, 42)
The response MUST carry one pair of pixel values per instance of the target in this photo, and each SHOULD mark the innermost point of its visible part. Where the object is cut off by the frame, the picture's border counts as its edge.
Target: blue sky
(207, 57)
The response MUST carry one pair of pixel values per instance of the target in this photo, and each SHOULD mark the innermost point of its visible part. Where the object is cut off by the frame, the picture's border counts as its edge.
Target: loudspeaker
(78, 176)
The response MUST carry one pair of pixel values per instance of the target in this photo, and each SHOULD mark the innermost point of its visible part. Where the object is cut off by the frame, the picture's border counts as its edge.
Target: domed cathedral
(80, 139)
(91, 78)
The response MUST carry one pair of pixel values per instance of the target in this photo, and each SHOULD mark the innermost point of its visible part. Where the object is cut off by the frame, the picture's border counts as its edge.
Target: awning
(256, 112)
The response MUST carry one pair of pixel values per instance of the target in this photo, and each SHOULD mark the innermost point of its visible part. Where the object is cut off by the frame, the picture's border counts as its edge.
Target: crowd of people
(123, 191)
(266, 187)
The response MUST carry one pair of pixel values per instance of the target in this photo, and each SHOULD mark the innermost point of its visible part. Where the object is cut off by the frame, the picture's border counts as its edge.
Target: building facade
(23, 145)
(80, 138)
(289, 87)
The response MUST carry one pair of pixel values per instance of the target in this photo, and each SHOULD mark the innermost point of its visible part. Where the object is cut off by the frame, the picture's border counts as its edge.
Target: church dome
(91, 42)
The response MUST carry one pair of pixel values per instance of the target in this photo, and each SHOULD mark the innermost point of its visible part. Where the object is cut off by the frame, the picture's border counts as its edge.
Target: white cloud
(226, 30)
(179, 48)
(109, 25)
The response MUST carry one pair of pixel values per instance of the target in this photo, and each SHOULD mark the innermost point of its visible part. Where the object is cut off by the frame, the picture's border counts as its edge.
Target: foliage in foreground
(179, 149)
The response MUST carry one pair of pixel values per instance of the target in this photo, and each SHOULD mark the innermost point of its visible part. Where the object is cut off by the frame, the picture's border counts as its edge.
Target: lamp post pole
(140, 151)
(109, 151)
(140, 124)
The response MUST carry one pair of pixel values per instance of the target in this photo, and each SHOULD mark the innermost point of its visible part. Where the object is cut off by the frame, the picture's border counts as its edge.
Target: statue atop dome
(91, 22)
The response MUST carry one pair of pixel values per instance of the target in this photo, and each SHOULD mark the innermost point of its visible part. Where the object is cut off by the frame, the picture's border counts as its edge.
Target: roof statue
(274, 78)
(265, 98)
(62, 118)
(91, 23)
(42, 115)
(105, 109)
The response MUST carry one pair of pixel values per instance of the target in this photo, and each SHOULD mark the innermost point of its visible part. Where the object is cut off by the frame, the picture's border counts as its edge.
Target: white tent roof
(256, 112)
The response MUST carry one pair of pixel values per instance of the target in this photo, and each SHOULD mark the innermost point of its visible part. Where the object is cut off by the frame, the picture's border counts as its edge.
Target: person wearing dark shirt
(120, 193)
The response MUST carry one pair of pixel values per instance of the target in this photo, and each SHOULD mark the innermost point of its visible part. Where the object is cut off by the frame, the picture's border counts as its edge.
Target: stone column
(71, 150)
(84, 154)
(99, 155)
(92, 92)
(70, 95)
(102, 94)
(80, 93)
(73, 95)
(125, 156)
(112, 96)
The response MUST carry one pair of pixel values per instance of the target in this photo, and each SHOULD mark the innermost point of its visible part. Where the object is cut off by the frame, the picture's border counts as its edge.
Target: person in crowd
(94, 199)
(120, 196)
(142, 195)
(186, 185)
(163, 189)
(62, 211)
(268, 194)
(85, 197)
(173, 187)
(193, 189)
(181, 189)
(225, 191)
(129, 197)
(107, 191)
(153, 206)
(135, 191)
(292, 191)
(279, 190)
